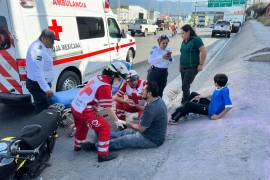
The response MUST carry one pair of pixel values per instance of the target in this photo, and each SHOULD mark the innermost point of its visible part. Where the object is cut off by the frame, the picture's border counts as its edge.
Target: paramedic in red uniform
(132, 88)
(97, 93)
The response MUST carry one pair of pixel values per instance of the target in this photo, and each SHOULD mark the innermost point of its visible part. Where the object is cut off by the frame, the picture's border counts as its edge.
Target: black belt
(157, 68)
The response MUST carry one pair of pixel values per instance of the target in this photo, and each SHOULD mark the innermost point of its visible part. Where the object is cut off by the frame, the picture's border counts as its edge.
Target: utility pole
(119, 7)
(195, 12)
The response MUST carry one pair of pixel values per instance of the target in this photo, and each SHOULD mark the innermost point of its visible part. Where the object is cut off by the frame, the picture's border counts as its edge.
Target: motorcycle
(25, 156)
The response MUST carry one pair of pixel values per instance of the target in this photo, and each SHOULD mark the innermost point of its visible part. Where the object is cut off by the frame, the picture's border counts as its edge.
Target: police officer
(39, 68)
(160, 59)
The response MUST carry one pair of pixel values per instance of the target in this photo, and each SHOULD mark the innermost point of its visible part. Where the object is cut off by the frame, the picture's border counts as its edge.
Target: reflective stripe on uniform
(100, 149)
(102, 143)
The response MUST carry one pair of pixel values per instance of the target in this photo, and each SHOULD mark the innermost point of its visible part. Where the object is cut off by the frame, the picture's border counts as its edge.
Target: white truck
(142, 26)
(201, 21)
(222, 28)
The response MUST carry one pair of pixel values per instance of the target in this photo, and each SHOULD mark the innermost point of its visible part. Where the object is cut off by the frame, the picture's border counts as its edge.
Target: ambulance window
(90, 27)
(5, 40)
(114, 29)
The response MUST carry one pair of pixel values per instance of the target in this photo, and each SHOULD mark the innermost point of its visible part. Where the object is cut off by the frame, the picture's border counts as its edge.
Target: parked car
(222, 28)
(142, 26)
(236, 26)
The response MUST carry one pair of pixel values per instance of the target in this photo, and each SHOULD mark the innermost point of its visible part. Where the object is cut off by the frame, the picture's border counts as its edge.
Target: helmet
(132, 75)
(117, 69)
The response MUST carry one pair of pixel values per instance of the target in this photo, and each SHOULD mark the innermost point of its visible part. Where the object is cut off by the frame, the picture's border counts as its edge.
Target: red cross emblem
(117, 47)
(57, 29)
(87, 88)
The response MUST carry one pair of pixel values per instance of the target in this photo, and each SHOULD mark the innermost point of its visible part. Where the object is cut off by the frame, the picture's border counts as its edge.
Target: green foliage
(259, 9)
(265, 20)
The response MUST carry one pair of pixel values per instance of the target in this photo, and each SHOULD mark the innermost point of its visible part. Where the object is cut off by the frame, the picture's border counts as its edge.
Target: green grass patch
(265, 20)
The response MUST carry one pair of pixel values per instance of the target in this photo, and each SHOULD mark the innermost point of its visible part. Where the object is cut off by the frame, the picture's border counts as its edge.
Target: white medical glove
(120, 123)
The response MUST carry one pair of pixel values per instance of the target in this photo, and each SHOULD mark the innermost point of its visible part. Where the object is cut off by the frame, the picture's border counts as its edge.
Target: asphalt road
(12, 119)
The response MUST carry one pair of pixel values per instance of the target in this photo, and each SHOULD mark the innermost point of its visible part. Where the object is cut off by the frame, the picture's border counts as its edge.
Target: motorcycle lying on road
(25, 156)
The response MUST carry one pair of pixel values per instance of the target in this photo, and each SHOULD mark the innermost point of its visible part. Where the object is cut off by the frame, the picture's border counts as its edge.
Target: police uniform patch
(39, 58)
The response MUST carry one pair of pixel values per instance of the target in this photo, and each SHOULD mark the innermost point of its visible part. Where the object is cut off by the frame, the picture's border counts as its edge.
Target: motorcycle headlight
(3, 147)
(4, 153)
(7, 163)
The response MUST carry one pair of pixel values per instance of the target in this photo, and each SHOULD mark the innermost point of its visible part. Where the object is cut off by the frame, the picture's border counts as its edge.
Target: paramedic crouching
(39, 68)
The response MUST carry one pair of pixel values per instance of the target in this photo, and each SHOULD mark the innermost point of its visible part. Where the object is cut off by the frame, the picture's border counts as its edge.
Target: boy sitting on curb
(216, 108)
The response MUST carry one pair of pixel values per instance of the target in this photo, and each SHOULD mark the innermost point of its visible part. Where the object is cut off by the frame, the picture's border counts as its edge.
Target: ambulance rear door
(9, 78)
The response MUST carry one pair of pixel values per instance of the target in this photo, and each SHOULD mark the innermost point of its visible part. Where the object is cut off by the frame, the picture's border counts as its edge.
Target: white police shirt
(39, 64)
(156, 57)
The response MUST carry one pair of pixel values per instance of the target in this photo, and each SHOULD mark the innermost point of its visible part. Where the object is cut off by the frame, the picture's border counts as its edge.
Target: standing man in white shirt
(39, 68)
(160, 59)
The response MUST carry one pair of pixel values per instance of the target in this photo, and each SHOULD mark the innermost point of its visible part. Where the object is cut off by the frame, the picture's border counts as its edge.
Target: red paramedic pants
(90, 118)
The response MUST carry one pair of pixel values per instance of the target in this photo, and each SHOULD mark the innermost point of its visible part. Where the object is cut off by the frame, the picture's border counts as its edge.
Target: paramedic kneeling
(39, 68)
(151, 130)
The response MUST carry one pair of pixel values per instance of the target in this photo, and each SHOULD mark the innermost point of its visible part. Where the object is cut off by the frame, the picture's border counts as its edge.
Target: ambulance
(89, 38)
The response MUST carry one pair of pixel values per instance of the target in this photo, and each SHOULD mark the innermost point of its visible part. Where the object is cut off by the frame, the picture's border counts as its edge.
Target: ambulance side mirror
(5, 41)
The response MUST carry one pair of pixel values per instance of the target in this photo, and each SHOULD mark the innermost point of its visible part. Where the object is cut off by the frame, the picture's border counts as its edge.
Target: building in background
(153, 15)
(267, 10)
(122, 14)
(130, 13)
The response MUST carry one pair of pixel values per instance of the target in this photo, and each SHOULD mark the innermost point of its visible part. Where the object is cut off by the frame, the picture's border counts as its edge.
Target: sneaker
(88, 146)
(107, 157)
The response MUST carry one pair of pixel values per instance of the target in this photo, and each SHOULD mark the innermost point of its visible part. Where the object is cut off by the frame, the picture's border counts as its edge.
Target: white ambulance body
(89, 36)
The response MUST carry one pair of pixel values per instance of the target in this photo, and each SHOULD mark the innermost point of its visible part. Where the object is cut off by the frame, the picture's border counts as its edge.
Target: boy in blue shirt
(216, 108)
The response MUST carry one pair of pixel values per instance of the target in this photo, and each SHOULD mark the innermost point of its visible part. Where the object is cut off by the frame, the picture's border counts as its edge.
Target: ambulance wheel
(130, 56)
(67, 80)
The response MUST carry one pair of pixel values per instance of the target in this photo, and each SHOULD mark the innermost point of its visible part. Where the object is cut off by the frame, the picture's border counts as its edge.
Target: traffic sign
(225, 3)
(219, 3)
(239, 2)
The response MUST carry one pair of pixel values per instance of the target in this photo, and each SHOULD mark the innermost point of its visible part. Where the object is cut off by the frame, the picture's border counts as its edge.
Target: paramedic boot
(107, 157)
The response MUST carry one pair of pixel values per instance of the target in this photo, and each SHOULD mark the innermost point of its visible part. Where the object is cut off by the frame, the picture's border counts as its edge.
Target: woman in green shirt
(193, 54)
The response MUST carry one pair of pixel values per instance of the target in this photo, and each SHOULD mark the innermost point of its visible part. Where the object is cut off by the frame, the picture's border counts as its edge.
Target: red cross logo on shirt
(117, 47)
(57, 29)
(87, 88)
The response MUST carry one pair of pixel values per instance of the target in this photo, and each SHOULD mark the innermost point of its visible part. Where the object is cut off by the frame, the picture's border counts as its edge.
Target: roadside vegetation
(257, 11)
(265, 20)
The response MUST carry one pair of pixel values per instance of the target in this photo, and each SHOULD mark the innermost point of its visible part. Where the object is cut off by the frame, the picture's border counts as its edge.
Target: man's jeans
(129, 138)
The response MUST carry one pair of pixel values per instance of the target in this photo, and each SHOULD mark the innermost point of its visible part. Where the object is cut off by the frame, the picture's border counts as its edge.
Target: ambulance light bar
(107, 6)
(28, 3)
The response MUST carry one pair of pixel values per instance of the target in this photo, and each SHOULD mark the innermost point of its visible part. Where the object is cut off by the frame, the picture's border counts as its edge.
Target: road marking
(221, 49)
